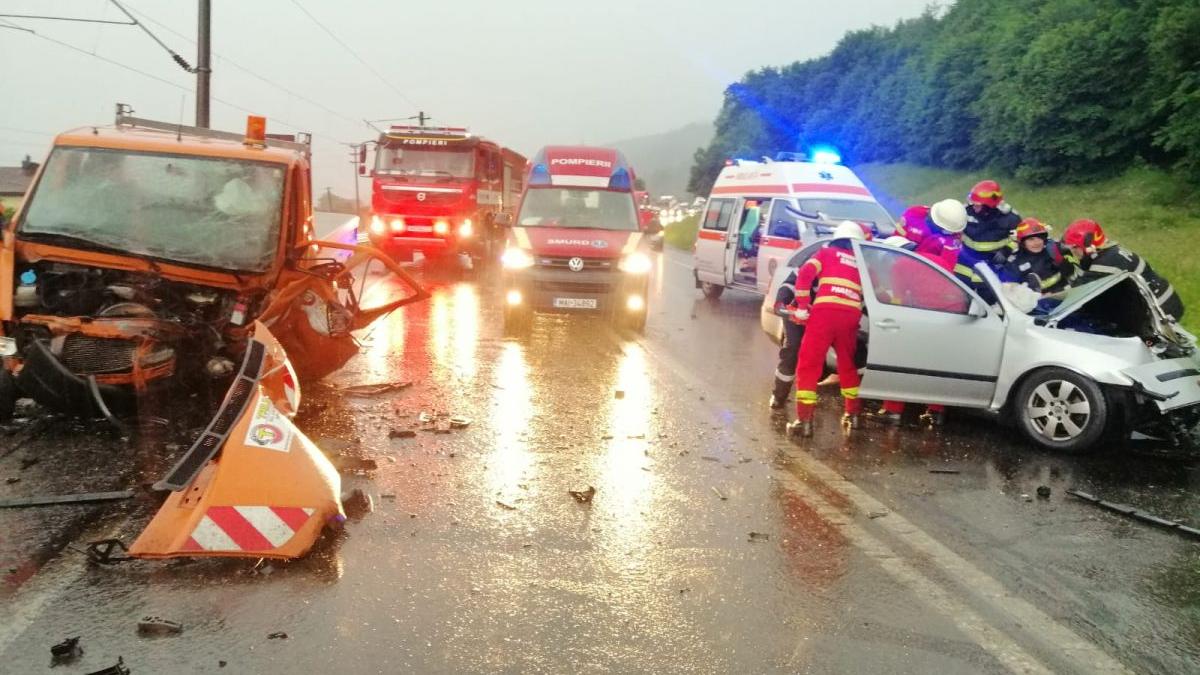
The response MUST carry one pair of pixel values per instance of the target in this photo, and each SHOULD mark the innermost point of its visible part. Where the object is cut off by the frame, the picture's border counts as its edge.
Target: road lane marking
(997, 643)
(972, 581)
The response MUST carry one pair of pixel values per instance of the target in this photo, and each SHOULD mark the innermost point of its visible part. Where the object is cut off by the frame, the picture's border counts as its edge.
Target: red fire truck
(436, 191)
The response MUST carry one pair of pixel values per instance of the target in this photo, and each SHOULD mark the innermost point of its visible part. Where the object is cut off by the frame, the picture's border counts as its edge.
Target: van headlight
(635, 263)
(516, 259)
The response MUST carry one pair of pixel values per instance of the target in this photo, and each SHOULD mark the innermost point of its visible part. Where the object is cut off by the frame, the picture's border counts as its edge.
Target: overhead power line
(67, 18)
(174, 55)
(353, 53)
(156, 78)
(244, 69)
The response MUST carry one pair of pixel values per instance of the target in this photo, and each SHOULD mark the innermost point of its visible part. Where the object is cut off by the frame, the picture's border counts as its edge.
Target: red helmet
(1031, 227)
(1083, 233)
(987, 193)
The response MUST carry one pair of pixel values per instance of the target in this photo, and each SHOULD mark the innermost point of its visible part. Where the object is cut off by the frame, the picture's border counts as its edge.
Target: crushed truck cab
(150, 260)
(577, 244)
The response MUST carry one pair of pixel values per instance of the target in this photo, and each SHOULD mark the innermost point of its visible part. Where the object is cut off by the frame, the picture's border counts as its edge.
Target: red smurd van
(577, 244)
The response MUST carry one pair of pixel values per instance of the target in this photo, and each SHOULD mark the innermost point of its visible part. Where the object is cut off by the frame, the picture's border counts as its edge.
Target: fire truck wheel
(8, 395)
(517, 321)
(711, 291)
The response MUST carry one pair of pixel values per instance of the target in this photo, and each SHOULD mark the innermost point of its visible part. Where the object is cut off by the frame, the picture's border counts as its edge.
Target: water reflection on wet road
(711, 545)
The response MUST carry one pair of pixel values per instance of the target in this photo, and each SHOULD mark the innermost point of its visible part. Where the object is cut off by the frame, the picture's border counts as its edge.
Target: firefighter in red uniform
(938, 240)
(1098, 257)
(832, 321)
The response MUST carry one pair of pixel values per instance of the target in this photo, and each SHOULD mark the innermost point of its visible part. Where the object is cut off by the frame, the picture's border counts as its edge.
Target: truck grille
(585, 287)
(589, 264)
(87, 355)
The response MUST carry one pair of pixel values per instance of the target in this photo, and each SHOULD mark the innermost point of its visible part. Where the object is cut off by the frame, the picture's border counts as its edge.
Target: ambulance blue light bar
(619, 180)
(539, 175)
(824, 154)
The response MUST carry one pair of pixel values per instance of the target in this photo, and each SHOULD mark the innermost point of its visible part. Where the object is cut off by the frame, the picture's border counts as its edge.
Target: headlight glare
(516, 259)
(636, 263)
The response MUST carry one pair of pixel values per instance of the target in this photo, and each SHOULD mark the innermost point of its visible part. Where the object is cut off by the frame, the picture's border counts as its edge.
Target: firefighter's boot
(780, 395)
(851, 421)
(800, 429)
(887, 418)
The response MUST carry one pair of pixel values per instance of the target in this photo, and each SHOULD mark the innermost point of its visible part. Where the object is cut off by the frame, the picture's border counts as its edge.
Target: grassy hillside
(1148, 210)
(664, 160)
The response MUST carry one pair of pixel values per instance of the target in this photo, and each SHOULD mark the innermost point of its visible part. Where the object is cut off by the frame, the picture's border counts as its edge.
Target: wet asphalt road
(477, 559)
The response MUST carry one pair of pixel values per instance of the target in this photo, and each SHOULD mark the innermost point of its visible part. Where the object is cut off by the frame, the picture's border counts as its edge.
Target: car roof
(794, 179)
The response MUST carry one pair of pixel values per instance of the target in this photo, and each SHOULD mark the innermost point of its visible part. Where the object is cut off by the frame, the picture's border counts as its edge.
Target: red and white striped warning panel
(247, 528)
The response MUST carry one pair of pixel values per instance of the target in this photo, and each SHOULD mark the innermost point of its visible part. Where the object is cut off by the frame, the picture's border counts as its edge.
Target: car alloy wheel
(1059, 410)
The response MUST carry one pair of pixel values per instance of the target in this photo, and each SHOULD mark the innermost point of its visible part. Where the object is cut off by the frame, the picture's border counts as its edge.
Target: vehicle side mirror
(503, 220)
(977, 309)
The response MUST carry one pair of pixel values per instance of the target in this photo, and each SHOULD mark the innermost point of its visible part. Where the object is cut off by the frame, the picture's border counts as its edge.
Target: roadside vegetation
(1048, 91)
(682, 234)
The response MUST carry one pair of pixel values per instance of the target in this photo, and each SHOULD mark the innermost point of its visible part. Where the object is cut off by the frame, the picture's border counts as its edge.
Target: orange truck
(151, 259)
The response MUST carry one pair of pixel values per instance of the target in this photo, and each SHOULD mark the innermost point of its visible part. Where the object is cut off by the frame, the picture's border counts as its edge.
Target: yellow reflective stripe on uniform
(1166, 294)
(984, 246)
(814, 262)
(964, 271)
(632, 243)
(522, 238)
(1051, 280)
(838, 281)
(1141, 266)
(1105, 269)
(807, 397)
(803, 294)
(850, 392)
(840, 301)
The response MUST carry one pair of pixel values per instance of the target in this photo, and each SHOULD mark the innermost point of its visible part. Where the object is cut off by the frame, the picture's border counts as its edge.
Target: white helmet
(848, 229)
(950, 215)
(898, 241)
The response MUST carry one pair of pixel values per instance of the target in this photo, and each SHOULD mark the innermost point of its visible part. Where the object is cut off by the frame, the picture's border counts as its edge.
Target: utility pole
(355, 151)
(329, 199)
(203, 62)
(421, 117)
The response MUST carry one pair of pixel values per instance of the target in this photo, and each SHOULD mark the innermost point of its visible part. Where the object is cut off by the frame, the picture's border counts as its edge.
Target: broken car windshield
(219, 213)
(579, 208)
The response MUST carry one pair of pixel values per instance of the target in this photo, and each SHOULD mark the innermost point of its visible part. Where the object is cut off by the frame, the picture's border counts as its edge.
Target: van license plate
(575, 303)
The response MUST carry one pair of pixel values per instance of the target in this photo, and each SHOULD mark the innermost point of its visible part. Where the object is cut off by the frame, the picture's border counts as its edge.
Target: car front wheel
(1061, 410)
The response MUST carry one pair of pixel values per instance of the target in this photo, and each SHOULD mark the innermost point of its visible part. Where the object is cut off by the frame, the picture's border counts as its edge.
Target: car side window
(782, 224)
(718, 213)
(911, 281)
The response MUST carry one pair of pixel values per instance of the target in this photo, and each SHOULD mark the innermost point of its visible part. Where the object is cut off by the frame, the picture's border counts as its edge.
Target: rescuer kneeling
(832, 321)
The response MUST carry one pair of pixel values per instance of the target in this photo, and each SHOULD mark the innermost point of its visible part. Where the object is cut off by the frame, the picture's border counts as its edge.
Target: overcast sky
(523, 72)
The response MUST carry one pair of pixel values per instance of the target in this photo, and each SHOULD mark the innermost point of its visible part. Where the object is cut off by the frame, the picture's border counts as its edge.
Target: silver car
(1104, 364)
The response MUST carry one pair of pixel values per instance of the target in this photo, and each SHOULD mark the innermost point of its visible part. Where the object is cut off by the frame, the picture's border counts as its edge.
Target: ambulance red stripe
(713, 236)
(831, 188)
(751, 189)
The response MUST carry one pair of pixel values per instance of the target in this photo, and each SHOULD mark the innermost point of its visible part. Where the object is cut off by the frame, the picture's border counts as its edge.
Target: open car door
(931, 339)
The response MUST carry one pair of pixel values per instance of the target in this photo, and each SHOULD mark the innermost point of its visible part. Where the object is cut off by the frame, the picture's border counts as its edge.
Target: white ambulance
(759, 213)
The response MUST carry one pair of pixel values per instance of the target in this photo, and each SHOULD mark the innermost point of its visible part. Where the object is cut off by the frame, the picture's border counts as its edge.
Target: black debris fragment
(66, 651)
(1043, 491)
(876, 514)
(506, 506)
(583, 496)
(156, 625)
(402, 433)
(946, 471)
(118, 668)
(1133, 512)
(278, 635)
(50, 500)
(759, 536)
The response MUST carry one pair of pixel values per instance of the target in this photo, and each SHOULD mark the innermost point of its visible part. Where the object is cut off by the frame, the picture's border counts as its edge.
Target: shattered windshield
(401, 161)
(847, 209)
(580, 208)
(221, 213)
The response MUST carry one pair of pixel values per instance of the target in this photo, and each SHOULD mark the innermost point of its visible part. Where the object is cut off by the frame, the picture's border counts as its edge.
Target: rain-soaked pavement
(711, 545)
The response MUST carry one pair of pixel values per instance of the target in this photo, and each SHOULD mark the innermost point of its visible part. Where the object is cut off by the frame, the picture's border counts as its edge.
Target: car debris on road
(158, 626)
(54, 500)
(583, 496)
(65, 652)
(1137, 514)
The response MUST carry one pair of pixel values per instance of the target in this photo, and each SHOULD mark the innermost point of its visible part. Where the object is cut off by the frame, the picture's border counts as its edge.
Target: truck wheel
(517, 321)
(8, 395)
(1061, 410)
(711, 291)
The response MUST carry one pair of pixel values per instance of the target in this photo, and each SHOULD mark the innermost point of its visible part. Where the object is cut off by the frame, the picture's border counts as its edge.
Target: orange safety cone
(252, 485)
